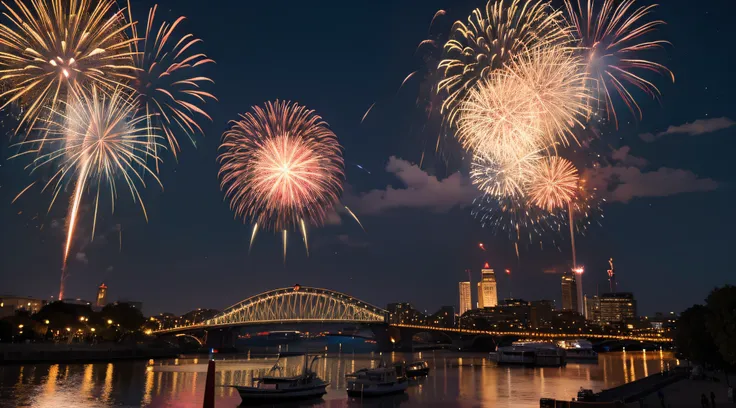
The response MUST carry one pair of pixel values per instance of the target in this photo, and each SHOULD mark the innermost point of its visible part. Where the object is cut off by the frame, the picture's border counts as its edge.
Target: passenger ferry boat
(579, 350)
(271, 388)
(377, 381)
(538, 354)
(417, 369)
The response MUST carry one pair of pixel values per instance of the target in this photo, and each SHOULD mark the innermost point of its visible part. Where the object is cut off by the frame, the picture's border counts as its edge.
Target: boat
(417, 369)
(272, 388)
(375, 382)
(539, 354)
(579, 350)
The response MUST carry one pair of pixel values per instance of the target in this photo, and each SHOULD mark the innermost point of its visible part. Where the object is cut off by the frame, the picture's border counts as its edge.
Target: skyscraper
(465, 301)
(579, 285)
(593, 309)
(617, 307)
(101, 296)
(487, 292)
(569, 292)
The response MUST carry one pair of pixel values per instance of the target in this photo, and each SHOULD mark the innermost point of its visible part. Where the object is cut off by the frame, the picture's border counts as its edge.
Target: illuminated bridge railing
(540, 335)
(295, 304)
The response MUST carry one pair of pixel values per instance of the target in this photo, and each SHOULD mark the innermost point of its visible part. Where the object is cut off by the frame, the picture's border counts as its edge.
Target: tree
(692, 338)
(721, 321)
(125, 315)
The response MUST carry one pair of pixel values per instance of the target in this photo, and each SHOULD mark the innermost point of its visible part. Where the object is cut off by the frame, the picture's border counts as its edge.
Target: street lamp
(20, 326)
(92, 330)
(46, 321)
(109, 321)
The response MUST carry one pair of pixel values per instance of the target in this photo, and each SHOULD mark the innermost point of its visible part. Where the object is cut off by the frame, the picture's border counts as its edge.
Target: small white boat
(271, 388)
(377, 381)
(538, 354)
(579, 350)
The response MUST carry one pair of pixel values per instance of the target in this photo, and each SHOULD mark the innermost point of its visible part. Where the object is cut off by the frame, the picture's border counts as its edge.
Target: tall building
(487, 292)
(579, 285)
(617, 307)
(569, 292)
(593, 309)
(465, 300)
(101, 296)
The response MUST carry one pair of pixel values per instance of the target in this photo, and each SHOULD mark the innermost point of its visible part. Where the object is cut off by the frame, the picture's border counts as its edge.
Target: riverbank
(687, 393)
(80, 353)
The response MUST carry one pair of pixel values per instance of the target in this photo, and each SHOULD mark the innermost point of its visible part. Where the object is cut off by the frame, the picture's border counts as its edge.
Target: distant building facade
(466, 302)
(542, 313)
(513, 315)
(617, 307)
(487, 291)
(445, 317)
(10, 304)
(404, 313)
(593, 309)
(569, 292)
(101, 296)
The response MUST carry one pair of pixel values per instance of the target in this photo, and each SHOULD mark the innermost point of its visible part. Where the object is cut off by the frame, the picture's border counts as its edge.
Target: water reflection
(459, 379)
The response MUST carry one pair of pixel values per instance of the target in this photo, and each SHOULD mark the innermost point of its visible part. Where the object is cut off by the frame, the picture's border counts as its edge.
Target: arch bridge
(297, 304)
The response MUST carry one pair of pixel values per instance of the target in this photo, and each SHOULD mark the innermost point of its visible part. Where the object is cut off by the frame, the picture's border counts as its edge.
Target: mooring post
(209, 388)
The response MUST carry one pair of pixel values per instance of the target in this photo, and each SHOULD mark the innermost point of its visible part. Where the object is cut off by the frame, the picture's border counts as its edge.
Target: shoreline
(19, 354)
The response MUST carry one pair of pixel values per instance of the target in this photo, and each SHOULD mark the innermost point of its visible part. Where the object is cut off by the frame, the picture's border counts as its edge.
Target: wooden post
(209, 388)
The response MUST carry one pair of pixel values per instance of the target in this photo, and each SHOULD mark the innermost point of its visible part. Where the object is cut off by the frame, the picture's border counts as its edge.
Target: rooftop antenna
(612, 276)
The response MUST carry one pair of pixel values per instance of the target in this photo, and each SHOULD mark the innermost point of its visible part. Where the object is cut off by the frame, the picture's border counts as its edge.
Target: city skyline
(666, 179)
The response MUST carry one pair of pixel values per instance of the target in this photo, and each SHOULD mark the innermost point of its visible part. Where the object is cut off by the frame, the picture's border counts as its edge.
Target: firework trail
(56, 47)
(611, 37)
(166, 80)
(491, 38)
(96, 140)
(281, 167)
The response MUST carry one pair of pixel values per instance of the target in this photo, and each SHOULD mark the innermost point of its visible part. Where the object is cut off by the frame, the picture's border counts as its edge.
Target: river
(456, 380)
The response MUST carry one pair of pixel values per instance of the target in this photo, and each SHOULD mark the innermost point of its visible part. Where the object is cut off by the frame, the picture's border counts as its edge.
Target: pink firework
(282, 167)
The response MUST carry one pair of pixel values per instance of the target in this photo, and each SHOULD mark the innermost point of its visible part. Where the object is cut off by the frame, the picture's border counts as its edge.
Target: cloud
(422, 191)
(333, 217)
(109, 269)
(698, 127)
(623, 183)
(622, 156)
(351, 242)
(81, 257)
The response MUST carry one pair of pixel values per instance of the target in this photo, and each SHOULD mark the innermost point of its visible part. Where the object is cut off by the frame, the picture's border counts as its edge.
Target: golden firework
(553, 184)
(612, 37)
(167, 81)
(56, 46)
(95, 141)
(493, 37)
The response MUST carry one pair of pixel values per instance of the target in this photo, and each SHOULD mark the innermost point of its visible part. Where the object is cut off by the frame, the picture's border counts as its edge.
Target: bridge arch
(299, 304)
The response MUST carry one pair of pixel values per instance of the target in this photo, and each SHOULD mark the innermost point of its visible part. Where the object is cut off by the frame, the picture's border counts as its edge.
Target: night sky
(668, 222)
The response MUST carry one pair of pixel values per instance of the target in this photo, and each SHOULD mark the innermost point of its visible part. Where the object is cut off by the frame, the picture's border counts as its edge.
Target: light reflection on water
(457, 379)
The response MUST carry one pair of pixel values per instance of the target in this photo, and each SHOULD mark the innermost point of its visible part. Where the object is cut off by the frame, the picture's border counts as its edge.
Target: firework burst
(611, 37)
(505, 30)
(557, 84)
(56, 46)
(95, 141)
(507, 178)
(553, 184)
(166, 80)
(281, 167)
(499, 120)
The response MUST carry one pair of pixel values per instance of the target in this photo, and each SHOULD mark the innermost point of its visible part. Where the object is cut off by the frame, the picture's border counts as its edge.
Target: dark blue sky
(670, 246)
